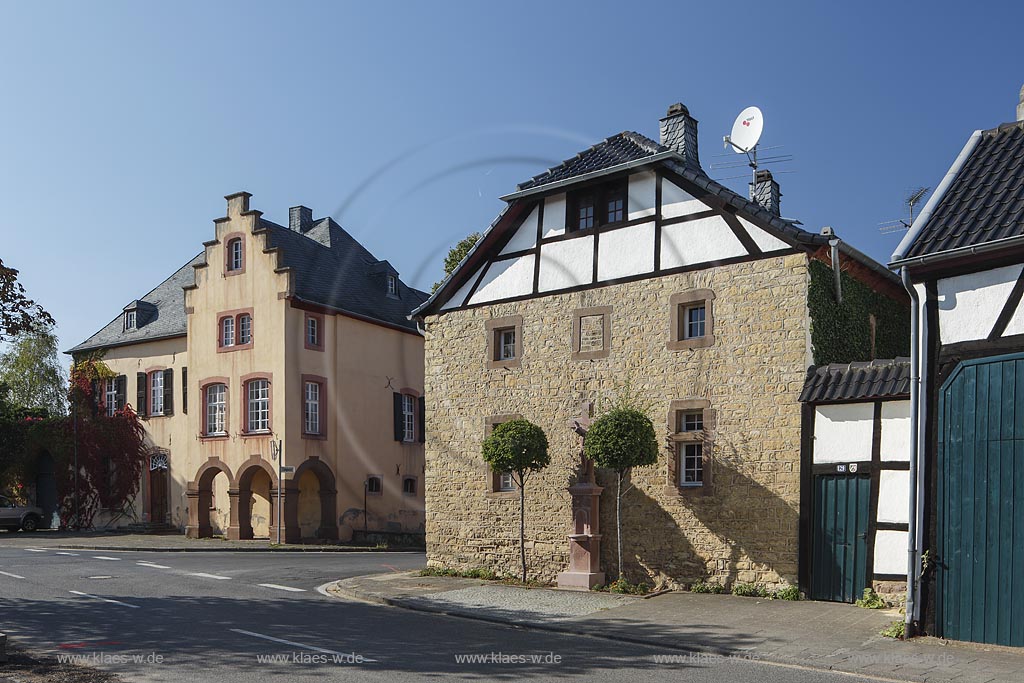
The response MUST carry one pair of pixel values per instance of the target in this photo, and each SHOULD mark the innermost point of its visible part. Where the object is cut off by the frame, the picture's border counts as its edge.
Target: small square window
(694, 317)
(409, 486)
(506, 343)
(691, 466)
(374, 485)
(692, 320)
(690, 421)
(585, 213)
(616, 210)
(505, 482)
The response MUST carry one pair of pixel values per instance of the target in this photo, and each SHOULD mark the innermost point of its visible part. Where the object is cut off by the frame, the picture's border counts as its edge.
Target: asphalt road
(239, 617)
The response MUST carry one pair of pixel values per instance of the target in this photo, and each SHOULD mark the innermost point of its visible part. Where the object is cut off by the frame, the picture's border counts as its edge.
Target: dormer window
(129, 320)
(596, 206)
(392, 285)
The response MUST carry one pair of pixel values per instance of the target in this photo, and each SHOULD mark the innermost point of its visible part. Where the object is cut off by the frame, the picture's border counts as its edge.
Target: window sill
(680, 491)
(314, 437)
(234, 347)
(503, 495)
(263, 433)
(502, 364)
(684, 344)
(214, 437)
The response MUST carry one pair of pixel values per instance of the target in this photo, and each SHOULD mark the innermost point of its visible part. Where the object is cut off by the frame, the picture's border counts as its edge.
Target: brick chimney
(679, 133)
(300, 219)
(1020, 106)
(765, 191)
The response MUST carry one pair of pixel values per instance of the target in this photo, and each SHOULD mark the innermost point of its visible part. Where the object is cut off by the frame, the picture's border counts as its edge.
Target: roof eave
(565, 182)
(959, 252)
(82, 348)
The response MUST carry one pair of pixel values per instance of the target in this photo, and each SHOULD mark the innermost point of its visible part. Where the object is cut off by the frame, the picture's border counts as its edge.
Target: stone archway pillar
(233, 529)
(193, 528)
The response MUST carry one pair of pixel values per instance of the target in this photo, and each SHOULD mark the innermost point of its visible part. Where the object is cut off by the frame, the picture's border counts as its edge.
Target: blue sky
(123, 125)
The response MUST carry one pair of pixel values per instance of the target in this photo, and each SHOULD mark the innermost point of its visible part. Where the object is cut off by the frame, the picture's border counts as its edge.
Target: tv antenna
(913, 198)
(746, 132)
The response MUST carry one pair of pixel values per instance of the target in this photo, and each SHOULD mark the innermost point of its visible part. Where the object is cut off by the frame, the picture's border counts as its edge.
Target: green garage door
(980, 502)
(842, 503)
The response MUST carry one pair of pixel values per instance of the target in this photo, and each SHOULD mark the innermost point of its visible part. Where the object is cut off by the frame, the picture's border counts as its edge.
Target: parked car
(14, 517)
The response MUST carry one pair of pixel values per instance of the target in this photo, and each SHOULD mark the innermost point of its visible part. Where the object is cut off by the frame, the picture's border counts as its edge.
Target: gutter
(898, 256)
(949, 254)
(913, 554)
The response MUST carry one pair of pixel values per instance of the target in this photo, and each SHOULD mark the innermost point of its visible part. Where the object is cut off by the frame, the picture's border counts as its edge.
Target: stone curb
(336, 590)
(284, 549)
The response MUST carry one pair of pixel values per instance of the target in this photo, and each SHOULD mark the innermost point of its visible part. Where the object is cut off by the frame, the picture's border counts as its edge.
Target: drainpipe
(913, 563)
(833, 243)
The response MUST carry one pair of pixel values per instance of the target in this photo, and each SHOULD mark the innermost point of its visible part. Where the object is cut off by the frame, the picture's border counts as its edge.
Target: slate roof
(985, 202)
(857, 381)
(623, 148)
(330, 268)
(165, 319)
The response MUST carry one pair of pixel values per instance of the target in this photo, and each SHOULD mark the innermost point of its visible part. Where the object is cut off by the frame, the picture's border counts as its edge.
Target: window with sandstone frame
(691, 424)
(591, 332)
(691, 320)
(499, 484)
(504, 342)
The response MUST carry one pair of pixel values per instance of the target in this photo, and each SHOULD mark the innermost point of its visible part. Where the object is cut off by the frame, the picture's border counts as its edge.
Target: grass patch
(871, 600)
(897, 630)
(705, 587)
(624, 587)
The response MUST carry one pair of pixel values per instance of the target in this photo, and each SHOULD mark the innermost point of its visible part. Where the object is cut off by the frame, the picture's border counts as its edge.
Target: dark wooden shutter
(421, 419)
(184, 390)
(399, 422)
(140, 394)
(122, 391)
(169, 392)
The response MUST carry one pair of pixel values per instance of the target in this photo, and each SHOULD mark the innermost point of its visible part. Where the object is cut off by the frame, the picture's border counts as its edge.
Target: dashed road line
(282, 588)
(153, 565)
(13, 576)
(64, 552)
(34, 550)
(209, 576)
(96, 597)
(104, 557)
(294, 644)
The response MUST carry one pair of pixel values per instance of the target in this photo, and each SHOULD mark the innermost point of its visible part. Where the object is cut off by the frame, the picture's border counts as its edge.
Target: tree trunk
(618, 520)
(522, 524)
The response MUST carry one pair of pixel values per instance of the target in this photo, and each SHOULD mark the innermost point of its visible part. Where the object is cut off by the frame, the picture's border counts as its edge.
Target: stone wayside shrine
(585, 540)
(628, 265)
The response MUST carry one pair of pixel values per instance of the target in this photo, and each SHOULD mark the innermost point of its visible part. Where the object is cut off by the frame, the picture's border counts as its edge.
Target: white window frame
(507, 344)
(312, 331)
(697, 468)
(688, 323)
(257, 418)
(311, 414)
(408, 418)
(227, 331)
(506, 482)
(392, 285)
(216, 409)
(244, 329)
(130, 320)
(110, 394)
(692, 421)
(156, 392)
(235, 254)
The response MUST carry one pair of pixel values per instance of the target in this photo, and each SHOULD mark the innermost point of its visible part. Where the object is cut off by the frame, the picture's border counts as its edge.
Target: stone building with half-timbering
(627, 264)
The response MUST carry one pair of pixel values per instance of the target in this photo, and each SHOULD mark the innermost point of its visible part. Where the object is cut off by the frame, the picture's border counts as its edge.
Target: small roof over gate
(877, 379)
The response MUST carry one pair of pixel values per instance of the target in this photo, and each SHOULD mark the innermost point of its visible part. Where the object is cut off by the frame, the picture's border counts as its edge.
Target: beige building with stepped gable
(294, 335)
(628, 264)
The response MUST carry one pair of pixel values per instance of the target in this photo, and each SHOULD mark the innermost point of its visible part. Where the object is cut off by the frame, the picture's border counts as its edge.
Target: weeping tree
(521, 448)
(619, 440)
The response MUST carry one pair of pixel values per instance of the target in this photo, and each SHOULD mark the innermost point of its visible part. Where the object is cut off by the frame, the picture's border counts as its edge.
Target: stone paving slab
(817, 635)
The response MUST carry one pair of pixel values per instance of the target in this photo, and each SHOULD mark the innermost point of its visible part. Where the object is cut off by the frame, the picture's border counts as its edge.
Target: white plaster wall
(641, 193)
(554, 215)
(761, 238)
(567, 263)
(842, 433)
(526, 235)
(624, 252)
(894, 496)
(505, 279)
(896, 430)
(891, 552)
(969, 304)
(1016, 324)
(706, 239)
(677, 202)
(460, 296)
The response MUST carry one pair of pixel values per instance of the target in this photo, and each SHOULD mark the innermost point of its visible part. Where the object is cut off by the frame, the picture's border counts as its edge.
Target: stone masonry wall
(742, 527)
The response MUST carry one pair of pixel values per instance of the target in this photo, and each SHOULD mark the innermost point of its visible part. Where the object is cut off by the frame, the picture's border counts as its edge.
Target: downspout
(913, 564)
(837, 274)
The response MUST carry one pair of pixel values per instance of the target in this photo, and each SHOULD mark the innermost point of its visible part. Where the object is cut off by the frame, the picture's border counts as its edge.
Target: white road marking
(294, 644)
(282, 588)
(104, 557)
(209, 576)
(67, 553)
(153, 565)
(96, 597)
(35, 550)
(13, 576)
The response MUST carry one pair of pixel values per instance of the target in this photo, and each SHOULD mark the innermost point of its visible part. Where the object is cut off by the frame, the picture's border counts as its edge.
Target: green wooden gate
(980, 502)
(839, 547)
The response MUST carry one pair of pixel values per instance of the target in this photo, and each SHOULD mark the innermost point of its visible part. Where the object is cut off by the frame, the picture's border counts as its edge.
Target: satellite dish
(746, 131)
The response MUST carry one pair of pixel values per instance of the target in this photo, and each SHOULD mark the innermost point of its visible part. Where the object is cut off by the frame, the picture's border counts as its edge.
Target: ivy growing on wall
(841, 333)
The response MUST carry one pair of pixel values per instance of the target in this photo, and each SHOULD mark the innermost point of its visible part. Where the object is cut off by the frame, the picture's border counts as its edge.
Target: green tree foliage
(456, 254)
(519, 447)
(32, 372)
(17, 312)
(619, 440)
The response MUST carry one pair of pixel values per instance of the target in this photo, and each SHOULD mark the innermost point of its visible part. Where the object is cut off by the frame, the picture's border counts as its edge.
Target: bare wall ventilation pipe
(915, 391)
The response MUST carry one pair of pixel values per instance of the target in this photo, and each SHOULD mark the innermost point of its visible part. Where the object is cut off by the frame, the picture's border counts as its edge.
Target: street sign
(287, 469)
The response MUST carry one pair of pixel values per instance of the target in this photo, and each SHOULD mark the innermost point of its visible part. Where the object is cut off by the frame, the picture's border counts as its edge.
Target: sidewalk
(818, 635)
(112, 540)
